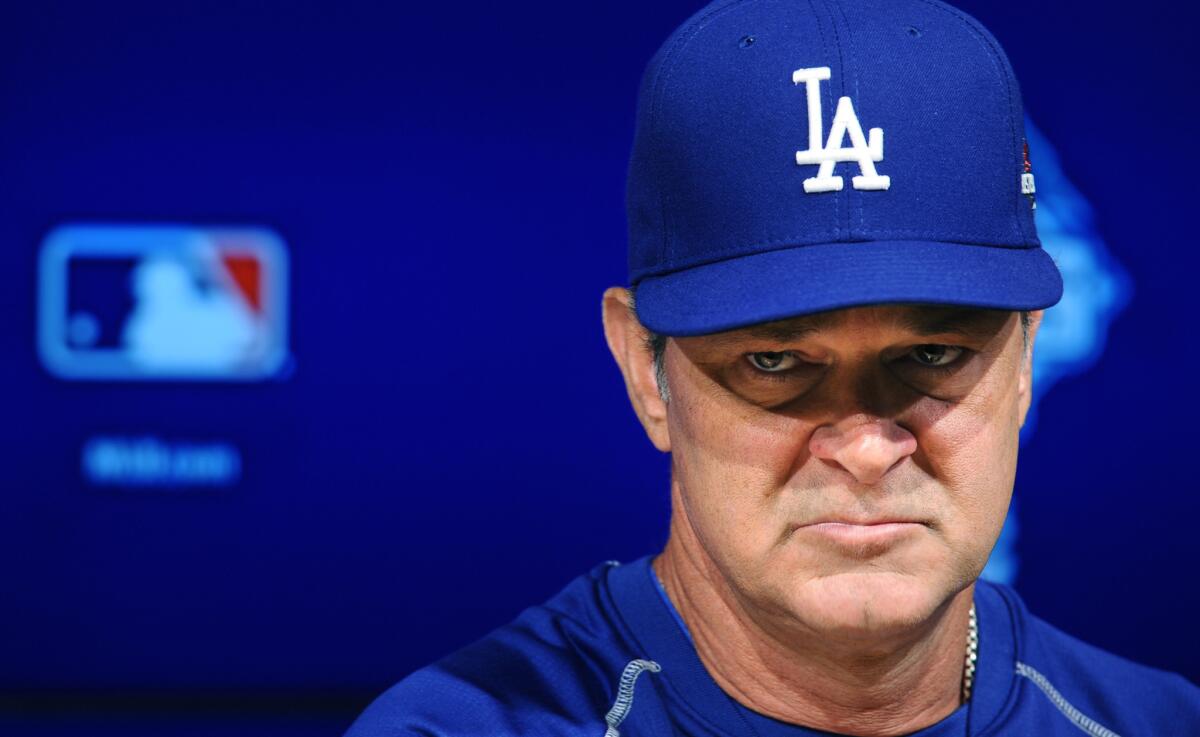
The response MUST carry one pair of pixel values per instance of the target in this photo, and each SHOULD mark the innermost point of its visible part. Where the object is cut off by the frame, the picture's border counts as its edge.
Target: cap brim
(789, 282)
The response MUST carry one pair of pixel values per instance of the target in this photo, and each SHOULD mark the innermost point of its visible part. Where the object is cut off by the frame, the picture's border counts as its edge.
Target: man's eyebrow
(967, 321)
(779, 332)
(784, 332)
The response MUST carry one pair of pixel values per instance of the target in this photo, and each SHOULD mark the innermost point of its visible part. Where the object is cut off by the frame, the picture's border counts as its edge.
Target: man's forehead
(920, 320)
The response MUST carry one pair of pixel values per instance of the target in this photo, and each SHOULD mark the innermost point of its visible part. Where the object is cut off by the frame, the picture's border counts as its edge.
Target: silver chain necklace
(971, 656)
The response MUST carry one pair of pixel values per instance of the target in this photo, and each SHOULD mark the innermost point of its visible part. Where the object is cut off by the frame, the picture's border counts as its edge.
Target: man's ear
(1025, 383)
(627, 340)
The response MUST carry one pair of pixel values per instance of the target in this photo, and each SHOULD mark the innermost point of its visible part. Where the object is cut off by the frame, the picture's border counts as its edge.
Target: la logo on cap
(863, 149)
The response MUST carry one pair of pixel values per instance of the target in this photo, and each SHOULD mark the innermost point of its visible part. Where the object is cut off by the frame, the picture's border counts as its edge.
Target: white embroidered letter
(864, 150)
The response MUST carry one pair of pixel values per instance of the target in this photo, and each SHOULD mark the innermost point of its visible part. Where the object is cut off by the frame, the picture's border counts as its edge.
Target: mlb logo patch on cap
(152, 302)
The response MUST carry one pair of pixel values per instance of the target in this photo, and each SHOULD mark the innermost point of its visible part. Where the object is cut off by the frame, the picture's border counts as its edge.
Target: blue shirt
(609, 656)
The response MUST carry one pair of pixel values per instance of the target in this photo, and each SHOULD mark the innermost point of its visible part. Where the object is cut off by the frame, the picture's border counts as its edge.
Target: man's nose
(866, 447)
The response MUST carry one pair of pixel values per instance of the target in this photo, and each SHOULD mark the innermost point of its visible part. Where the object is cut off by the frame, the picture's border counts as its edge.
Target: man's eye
(936, 355)
(772, 362)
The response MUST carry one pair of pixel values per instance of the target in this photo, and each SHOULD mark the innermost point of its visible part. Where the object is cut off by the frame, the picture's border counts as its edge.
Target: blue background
(453, 442)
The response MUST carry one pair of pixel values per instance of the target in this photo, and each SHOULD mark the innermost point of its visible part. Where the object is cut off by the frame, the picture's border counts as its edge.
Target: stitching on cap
(996, 56)
(826, 90)
(663, 75)
(824, 238)
(858, 197)
(829, 101)
(837, 40)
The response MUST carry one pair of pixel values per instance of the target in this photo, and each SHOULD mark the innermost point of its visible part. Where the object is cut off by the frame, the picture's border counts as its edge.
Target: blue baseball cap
(796, 156)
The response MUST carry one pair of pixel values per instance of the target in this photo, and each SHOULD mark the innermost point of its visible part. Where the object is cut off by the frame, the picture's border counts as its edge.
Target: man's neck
(870, 689)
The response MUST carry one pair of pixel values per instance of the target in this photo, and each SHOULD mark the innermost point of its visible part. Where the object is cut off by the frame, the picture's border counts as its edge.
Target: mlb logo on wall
(145, 302)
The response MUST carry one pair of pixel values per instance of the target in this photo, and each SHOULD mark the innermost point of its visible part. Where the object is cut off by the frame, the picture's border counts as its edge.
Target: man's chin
(869, 604)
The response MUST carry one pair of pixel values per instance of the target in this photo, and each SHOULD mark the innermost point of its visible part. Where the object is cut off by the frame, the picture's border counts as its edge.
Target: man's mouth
(865, 536)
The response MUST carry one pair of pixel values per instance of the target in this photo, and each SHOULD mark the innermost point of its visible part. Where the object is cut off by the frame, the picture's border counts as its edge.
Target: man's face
(851, 470)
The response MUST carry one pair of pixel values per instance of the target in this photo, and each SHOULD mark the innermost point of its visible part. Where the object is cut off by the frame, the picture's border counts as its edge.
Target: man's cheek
(978, 488)
(953, 439)
(733, 496)
(734, 507)
(757, 441)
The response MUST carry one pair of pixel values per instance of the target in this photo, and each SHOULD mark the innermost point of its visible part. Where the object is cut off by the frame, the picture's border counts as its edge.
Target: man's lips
(863, 521)
(873, 533)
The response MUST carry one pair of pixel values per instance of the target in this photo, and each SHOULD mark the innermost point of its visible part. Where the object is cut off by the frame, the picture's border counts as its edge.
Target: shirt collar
(662, 636)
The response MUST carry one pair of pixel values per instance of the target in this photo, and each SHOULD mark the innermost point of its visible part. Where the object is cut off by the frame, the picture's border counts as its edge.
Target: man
(837, 288)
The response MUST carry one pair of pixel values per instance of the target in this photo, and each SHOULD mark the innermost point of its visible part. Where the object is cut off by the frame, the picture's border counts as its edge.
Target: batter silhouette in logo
(177, 324)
